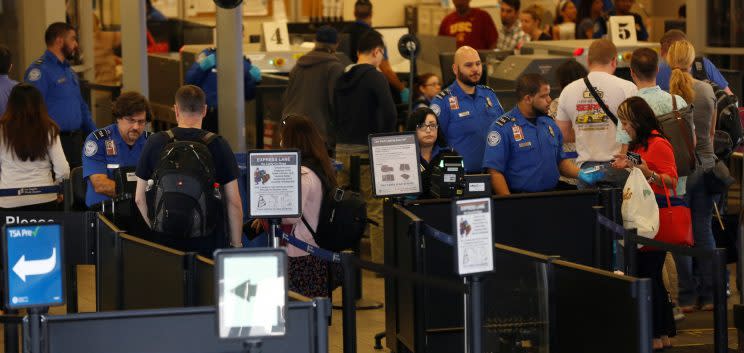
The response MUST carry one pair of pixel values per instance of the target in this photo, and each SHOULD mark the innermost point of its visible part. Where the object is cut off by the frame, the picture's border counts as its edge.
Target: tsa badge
(517, 131)
(110, 148)
(550, 130)
(454, 104)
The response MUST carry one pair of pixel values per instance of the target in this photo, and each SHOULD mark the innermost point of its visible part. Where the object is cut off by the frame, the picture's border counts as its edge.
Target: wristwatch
(652, 178)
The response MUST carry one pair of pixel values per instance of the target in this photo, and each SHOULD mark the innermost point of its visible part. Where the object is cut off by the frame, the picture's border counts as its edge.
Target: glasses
(131, 121)
(427, 127)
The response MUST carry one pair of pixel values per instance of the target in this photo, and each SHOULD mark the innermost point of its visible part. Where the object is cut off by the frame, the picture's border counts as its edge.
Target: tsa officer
(59, 86)
(114, 146)
(466, 109)
(524, 147)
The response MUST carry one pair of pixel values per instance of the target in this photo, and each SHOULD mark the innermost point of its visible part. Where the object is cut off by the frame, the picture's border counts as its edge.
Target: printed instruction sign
(274, 184)
(474, 233)
(394, 160)
(33, 257)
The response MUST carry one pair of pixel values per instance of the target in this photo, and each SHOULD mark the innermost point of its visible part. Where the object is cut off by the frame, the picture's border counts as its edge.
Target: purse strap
(600, 101)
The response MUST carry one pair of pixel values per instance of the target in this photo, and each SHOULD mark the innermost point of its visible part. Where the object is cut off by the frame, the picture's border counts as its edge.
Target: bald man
(467, 109)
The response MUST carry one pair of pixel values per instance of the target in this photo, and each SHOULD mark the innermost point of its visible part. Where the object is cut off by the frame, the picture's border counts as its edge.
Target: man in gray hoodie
(312, 82)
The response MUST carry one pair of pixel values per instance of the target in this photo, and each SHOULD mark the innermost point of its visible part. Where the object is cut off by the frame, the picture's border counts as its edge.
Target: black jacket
(364, 105)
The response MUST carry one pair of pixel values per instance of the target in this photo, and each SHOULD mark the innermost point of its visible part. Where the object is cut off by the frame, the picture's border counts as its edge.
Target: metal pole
(10, 332)
(34, 329)
(740, 263)
(348, 299)
(599, 237)
(476, 315)
(274, 232)
(720, 330)
(631, 253)
(466, 318)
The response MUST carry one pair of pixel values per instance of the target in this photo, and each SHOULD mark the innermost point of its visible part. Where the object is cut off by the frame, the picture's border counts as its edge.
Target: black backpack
(343, 217)
(727, 107)
(186, 200)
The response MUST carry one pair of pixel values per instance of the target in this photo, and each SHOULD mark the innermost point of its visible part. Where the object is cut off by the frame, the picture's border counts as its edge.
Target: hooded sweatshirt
(364, 105)
(310, 89)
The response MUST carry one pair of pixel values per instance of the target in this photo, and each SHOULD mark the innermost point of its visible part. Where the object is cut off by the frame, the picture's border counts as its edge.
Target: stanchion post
(348, 297)
(274, 224)
(34, 323)
(599, 236)
(630, 249)
(476, 314)
(10, 332)
(720, 329)
(739, 247)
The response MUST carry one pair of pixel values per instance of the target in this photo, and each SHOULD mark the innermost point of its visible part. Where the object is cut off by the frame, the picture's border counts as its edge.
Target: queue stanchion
(720, 330)
(599, 236)
(631, 252)
(10, 332)
(34, 329)
(275, 232)
(348, 297)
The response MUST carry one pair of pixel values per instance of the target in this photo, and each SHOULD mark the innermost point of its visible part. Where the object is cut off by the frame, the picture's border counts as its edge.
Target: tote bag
(675, 223)
(639, 209)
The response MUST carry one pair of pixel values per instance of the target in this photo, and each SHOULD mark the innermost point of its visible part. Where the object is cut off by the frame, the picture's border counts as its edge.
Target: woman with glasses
(427, 85)
(30, 152)
(432, 145)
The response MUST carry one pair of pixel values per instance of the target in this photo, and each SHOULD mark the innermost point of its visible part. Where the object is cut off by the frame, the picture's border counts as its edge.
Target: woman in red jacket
(660, 169)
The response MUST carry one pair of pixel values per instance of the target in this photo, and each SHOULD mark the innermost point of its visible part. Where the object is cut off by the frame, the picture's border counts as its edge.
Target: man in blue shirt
(59, 86)
(466, 109)
(114, 146)
(524, 150)
(6, 84)
(203, 73)
(701, 67)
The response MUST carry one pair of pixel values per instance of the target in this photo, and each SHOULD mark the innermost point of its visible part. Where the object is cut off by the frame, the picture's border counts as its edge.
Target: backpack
(677, 127)
(727, 107)
(342, 220)
(186, 200)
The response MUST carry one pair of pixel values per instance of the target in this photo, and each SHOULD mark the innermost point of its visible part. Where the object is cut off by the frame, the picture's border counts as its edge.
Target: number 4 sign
(276, 36)
(622, 30)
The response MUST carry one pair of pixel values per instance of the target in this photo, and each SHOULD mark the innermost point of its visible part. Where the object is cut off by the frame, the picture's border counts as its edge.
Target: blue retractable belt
(320, 253)
(35, 190)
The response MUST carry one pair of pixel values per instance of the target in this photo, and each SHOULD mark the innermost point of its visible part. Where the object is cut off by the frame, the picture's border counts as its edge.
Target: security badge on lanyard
(110, 148)
(517, 131)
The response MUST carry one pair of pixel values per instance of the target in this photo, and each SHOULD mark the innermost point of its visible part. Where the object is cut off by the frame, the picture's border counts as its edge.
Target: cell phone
(633, 157)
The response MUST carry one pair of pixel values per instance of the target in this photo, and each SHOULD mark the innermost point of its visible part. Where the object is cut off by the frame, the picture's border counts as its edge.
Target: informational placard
(251, 293)
(622, 30)
(274, 184)
(33, 259)
(474, 233)
(394, 160)
(276, 36)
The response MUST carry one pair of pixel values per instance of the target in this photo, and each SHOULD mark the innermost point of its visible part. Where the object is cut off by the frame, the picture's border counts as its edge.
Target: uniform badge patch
(34, 74)
(488, 102)
(550, 130)
(436, 109)
(494, 138)
(517, 131)
(91, 147)
(454, 104)
(110, 148)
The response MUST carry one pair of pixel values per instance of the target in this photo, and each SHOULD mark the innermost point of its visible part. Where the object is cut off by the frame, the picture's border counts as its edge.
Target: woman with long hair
(565, 21)
(427, 86)
(696, 288)
(658, 166)
(308, 275)
(30, 150)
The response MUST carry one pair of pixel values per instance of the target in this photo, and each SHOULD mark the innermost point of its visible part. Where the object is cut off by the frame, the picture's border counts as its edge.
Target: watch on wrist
(652, 178)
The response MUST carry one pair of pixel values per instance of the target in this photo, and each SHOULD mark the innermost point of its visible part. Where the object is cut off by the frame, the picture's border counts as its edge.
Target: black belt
(70, 133)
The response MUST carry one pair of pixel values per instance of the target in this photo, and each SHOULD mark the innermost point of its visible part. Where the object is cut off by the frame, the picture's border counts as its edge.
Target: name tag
(112, 166)
(525, 144)
(463, 114)
(131, 177)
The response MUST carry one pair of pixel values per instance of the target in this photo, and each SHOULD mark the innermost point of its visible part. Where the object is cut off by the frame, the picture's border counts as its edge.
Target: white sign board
(622, 30)
(276, 36)
(394, 160)
(274, 184)
(474, 233)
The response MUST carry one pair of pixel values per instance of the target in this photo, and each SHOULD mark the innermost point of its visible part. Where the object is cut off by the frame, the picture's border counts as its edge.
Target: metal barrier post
(349, 306)
(475, 332)
(740, 262)
(720, 330)
(34, 316)
(10, 333)
(631, 253)
(599, 236)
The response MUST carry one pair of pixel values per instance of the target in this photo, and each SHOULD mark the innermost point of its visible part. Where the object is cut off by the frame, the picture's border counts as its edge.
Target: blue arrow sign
(34, 257)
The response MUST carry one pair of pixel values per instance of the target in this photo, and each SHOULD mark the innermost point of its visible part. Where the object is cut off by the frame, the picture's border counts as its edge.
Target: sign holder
(393, 163)
(274, 188)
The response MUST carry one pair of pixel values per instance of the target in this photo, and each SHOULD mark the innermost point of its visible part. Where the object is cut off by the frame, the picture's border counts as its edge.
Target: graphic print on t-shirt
(590, 116)
(459, 29)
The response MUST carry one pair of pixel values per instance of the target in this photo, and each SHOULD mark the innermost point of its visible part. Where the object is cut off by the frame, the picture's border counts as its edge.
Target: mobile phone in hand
(634, 158)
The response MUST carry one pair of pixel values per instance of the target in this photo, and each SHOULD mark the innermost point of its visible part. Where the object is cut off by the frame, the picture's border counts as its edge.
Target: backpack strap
(600, 101)
(698, 69)
(312, 232)
(170, 134)
(208, 137)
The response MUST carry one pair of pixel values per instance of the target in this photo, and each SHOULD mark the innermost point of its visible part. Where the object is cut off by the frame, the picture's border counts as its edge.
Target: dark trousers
(72, 145)
(650, 264)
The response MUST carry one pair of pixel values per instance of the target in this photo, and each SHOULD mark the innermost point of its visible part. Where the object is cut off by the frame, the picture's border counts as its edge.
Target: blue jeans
(695, 274)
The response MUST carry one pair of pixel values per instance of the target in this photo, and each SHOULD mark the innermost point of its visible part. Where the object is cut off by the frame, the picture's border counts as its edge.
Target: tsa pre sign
(33, 258)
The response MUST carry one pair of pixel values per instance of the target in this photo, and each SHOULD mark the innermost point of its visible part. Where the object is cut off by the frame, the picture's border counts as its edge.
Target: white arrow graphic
(25, 268)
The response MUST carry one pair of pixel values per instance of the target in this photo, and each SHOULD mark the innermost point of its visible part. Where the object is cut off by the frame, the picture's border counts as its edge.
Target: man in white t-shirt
(582, 119)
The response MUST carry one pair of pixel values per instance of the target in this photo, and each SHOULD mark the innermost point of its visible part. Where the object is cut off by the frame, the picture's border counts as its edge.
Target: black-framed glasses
(427, 127)
(132, 121)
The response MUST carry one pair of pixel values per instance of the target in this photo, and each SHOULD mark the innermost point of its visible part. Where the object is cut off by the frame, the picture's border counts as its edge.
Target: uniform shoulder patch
(503, 120)
(34, 74)
(494, 138)
(101, 133)
(91, 147)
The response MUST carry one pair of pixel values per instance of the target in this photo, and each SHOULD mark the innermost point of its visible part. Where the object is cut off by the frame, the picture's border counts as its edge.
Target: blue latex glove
(591, 175)
(255, 73)
(621, 136)
(208, 63)
(405, 94)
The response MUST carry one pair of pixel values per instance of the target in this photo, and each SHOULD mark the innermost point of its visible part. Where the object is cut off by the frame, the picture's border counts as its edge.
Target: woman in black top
(432, 145)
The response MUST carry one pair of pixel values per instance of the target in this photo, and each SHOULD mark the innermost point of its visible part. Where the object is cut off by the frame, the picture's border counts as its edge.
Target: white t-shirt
(594, 131)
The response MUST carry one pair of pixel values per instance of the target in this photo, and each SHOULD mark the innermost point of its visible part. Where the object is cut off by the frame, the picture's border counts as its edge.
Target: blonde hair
(680, 56)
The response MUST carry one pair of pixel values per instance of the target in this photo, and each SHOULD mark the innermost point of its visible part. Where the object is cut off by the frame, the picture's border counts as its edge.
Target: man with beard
(524, 147)
(466, 109)
(53, 76)
(115, 146)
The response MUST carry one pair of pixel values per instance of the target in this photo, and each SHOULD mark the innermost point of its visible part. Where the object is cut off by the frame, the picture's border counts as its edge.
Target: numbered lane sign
(276, 36)
(622, 30)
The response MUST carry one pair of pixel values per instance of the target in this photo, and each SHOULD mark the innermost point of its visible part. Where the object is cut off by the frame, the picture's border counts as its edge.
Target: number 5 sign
(276, 36)
(622, 30)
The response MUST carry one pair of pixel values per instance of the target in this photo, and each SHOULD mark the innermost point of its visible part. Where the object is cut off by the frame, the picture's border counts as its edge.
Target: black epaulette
(488, 88)
(101, 133)
(503, 120)
(39, 61)
(445, 92)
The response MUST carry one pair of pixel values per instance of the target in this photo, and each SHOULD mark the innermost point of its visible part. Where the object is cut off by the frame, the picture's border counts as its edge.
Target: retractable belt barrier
(34, 190)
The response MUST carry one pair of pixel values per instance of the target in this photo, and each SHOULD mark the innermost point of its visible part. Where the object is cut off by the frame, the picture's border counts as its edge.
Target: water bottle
(216, 191)
(150, 183)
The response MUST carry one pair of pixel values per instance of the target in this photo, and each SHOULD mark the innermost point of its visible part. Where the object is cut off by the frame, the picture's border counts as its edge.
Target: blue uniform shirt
(61, 91)
(527, 155)
(104, 151)
(465, 119)
(665, 74)
(207, 79)
(6, 85)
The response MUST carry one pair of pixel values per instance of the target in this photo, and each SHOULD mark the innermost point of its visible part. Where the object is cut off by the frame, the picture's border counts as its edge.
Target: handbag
(718, 179)
(675, 221)
(639, 209)
(677, 127)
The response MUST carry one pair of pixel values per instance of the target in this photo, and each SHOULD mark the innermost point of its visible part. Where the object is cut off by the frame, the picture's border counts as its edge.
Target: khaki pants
(374, 205)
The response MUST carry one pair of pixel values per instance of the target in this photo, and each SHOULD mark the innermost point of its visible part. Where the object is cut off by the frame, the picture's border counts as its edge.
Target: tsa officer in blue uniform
(114, 146)
(203, 73)
(59, 86)
(466, 109)
(524, 147)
